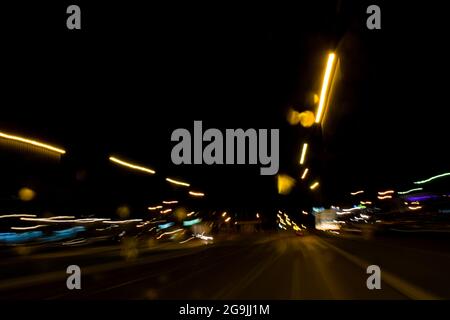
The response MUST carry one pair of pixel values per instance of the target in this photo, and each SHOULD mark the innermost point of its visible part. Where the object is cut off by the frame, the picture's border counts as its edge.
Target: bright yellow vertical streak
(302, 157)
(325, 85)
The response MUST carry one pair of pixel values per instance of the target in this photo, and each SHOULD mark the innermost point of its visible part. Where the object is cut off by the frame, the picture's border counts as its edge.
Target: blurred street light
(314, 185)
(305, 172)
(325, 86)
(196, 194)
(179, 183)
(303, 155)
(32, 142)
(131, 166)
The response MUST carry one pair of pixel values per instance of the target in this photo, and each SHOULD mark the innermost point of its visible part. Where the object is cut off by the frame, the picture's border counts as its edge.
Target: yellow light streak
(131, 166)
(32, 142)
(179, 183)
(384, 197)
(305, 172)
(224, 214)
(325, 86)
(314, 185)
(356, 192)
(196, 194)
(228, 219)
(155, 208)
(166, 211)
(304, 149)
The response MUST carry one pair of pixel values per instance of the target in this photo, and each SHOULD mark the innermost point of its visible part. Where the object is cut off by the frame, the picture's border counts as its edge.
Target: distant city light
(170, 202)
(155, 208)
(410, 190)
(432, 178)
(32, 142)
(196, 194)
(356, 192)
(314, 185)
(383, 193)
(177, 182)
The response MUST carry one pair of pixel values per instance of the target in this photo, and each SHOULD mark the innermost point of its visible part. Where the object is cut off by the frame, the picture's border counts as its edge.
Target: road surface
(260, 266)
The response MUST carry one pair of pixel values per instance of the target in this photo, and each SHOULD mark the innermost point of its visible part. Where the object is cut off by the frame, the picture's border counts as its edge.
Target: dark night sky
(135, 73)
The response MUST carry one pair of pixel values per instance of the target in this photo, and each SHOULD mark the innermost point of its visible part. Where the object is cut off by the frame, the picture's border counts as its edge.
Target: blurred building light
(414, 207)
(384, 197)
(432, 178)
(122, 221)
(365, 202)
(166, 225)
(356, 192)
(18, 216)
(224, 214)
(422, 197)
(383, 193)
(49, 220)
(190, 213)
(410, 190)
(178, 183)
(170, 202)
(203, 237)
(285, 183)
(307, 119)
(325, 86)
(305, 172)
(130, 165)
(32, 142)
(29, 228)
(196, 194)
(303, 155)
(188, 223)
(155, 208)
(228, 219)
(166, 211)
(168, 233)
(26, 194)
(314, 185)
(187, 240)
(304, 212)
(257, 216)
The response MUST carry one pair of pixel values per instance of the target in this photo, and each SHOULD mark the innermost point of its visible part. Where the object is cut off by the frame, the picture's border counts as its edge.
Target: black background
(139, 70)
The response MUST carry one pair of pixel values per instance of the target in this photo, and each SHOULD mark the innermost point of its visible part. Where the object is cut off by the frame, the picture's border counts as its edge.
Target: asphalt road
(261, 266)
